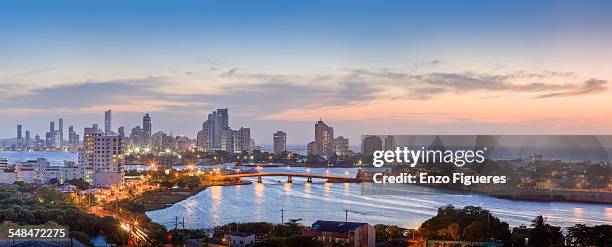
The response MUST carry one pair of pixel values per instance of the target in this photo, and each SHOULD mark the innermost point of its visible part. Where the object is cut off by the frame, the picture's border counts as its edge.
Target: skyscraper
(217, 121)
(202, 138)
(279, 142)
(341, 146)
(371, 143)
(390, 143)
(313, 148)
(19, 137)
(136, 137)
(87, 154)
(109, 160)
(60, 135)
(107, 121)
(38, 143)
(213, 130)
(223, 116)
(48, 142)
(324, 138)
(146, 128)
(50, 137)
(226, 143)
(73, 137)
(27, 139)
(242, 139)
(121, 131)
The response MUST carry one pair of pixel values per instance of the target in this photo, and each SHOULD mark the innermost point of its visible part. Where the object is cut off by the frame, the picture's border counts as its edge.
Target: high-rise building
(50, 138)
(371, 143)
(73, 137)
(27, 142)
(242, 139)
(38, 143)
(216, 134)
(213, 132)
(341, 146)
(324, 138)
(279, 142)
(48, 142)
(60, 134)
(202, 138)
(181, 144)
(146, 129)
(160, 141)
(107, 121)
(121, 131)
(19, 137)
(390, 143)
(136, 137)
(217, 121)
(313, 148)
(223, 116)
(88, 151)
(108, 160)
(227, 140)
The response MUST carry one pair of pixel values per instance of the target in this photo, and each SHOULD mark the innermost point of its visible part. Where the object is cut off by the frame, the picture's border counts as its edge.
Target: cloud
(592, 86)
(262, 95)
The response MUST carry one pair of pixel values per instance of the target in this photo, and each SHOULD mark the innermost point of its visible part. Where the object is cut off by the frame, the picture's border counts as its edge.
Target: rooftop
(335, 226)
(240, 234)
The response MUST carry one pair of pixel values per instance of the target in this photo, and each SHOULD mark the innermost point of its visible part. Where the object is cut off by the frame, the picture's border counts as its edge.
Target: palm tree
(544, 234)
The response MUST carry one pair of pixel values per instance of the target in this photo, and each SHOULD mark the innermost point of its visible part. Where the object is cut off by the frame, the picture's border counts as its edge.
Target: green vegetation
(273, 235)
(387, 235)
(544, 234)
(79, 183)
(467, 224)
(582, 236)
(25, 204)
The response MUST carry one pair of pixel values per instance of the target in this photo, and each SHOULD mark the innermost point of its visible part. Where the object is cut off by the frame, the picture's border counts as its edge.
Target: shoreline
(539, 197)
(170, 197)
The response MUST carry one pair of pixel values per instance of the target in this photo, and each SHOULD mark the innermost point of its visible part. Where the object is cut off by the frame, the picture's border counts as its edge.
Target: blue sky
(270, 61)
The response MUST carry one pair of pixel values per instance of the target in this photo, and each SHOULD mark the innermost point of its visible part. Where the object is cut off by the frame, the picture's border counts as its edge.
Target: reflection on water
(578, 214)
(396, 204)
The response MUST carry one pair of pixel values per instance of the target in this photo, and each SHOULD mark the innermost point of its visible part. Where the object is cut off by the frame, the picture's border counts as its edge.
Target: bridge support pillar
(289, 180)
(259, 179)
(309, 180)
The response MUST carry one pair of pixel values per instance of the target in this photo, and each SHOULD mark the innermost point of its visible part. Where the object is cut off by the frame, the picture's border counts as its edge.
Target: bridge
(290, 175)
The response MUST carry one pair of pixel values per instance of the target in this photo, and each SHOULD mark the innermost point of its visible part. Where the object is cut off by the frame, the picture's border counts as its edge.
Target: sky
(364, 67)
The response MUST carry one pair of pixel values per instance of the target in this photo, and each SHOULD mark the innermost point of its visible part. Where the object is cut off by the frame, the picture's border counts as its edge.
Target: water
(394, 204)
(54, 158)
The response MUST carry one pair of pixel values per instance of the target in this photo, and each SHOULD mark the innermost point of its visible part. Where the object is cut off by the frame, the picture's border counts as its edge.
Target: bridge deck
(285, 174)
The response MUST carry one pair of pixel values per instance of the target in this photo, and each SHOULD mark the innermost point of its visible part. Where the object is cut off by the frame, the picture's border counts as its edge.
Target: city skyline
(365, 68)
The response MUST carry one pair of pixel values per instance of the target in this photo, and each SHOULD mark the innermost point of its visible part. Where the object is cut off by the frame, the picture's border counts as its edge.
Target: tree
(474, 231)
(79, 183)
(455, 231)
(48, 194)
(544, 234)
(302, 241)
(467, 224)
(582, 236)
(598, 175)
